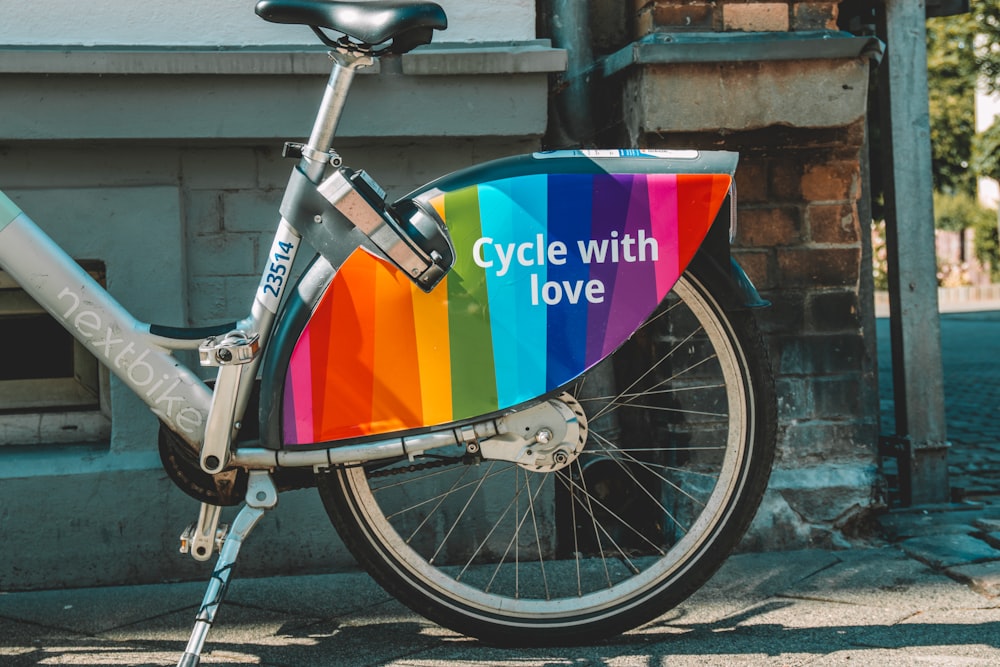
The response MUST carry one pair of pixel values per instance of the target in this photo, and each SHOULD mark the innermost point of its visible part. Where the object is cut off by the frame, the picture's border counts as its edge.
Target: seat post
(334, 98)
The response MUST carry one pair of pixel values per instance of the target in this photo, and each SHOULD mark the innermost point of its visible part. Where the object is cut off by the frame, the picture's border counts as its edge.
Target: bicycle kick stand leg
(261, 496)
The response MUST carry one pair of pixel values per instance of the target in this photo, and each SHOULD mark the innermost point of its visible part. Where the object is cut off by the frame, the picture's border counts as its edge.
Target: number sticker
(276, 269)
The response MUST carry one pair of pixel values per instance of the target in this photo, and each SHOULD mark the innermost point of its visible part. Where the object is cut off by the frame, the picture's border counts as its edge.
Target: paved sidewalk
(860, 606)
(928, 593)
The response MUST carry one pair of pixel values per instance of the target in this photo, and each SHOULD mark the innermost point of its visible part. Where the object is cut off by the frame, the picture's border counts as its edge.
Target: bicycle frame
(140, 353)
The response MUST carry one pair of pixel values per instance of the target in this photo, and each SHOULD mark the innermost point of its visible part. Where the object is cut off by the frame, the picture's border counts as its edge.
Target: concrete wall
(223, 22)
(164, 164)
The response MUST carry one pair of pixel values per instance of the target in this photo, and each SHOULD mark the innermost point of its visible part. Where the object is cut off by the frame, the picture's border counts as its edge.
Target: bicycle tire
(582, 556)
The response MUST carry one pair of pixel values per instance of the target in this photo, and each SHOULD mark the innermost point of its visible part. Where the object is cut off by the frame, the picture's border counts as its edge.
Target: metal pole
(915, 324)
(569, 25)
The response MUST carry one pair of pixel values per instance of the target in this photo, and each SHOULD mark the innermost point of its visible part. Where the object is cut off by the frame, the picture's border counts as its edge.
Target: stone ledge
(664, 48)
(739, 82)
(171, 93)
(719, 97)
(529, 57)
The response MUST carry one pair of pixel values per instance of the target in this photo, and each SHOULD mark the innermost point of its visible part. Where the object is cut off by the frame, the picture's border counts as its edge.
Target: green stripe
(8, 211)
(473, 376)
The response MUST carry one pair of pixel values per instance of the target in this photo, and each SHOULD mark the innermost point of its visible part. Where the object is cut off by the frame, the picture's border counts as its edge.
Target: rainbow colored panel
(553, 272)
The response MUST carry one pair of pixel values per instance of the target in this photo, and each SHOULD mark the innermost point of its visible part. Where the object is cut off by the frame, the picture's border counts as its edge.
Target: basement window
(52, 389)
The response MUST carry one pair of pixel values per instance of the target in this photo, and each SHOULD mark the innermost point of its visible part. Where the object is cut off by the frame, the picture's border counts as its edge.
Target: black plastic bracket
(899, 480)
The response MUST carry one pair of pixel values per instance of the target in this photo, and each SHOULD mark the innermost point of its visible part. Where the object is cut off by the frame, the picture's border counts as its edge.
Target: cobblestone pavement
(970, 352)
(971, 360)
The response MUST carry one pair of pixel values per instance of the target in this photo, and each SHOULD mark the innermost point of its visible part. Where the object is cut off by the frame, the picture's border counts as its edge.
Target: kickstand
(261, 496)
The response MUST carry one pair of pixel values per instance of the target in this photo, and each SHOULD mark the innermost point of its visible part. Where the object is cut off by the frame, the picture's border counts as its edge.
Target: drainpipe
(568, 26)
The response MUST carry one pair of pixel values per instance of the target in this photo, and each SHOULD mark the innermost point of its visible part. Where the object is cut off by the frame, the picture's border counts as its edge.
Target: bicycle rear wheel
(681, 424)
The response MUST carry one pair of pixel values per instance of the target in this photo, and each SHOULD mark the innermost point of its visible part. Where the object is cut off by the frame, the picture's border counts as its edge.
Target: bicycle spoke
(458, 519)
(593, 519)
(617, 548)
(649, 370)
(538, 542)
(576, 538)
(651, 468)
(683, 448)
(440, 500)
(410, 480)
(625, 398)
(431, 499)
(591, 498)
(514, 541)
(496, 524)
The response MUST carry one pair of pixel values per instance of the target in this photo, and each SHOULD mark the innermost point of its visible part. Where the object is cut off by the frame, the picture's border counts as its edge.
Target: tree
(986, 145)
(986, 152)
(963, 52)
(951, 79)
(956, 212)
(987, 17)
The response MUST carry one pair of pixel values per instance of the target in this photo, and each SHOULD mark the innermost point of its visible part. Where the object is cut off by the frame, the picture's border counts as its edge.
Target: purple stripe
(611, 196)
(288, 413)
(631, 304)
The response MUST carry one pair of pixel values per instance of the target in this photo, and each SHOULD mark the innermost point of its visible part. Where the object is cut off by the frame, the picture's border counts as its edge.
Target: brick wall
(799, 239)
(733, 15)
(801, 210)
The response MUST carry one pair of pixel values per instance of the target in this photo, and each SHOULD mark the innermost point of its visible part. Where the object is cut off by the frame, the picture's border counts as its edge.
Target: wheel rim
(461, 539)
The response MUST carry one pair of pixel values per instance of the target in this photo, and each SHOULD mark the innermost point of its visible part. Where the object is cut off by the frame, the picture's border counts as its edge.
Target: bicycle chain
(415, 467)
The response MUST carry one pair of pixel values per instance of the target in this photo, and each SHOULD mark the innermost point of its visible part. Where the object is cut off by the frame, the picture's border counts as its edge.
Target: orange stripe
(720, 188)
(438, 204)
(430, 315)
(396, 402)
(347, 376)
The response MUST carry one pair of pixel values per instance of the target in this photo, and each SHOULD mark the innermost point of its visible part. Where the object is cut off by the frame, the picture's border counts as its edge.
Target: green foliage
(959, 211)
(963, 51)
(988, 242)
(951, 80)
(986, 14)
(986, 145)
(880, 255)
(986, 152)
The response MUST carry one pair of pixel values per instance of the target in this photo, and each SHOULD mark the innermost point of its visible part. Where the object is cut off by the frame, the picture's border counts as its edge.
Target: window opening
(52, 389)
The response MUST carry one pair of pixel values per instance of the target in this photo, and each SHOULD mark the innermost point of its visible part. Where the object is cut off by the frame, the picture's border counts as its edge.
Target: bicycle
(531, 393)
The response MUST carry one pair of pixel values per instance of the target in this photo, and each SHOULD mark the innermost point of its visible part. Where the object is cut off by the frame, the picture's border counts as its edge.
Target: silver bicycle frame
(138, 353)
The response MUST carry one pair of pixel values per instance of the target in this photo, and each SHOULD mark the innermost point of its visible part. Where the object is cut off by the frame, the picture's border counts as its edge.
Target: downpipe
(571, 121)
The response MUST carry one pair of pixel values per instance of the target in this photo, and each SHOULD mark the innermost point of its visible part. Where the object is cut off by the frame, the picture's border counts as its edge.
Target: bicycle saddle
(408, 23)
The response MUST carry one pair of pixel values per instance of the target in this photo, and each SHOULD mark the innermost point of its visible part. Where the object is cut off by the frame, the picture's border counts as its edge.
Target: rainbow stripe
(553, 272)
